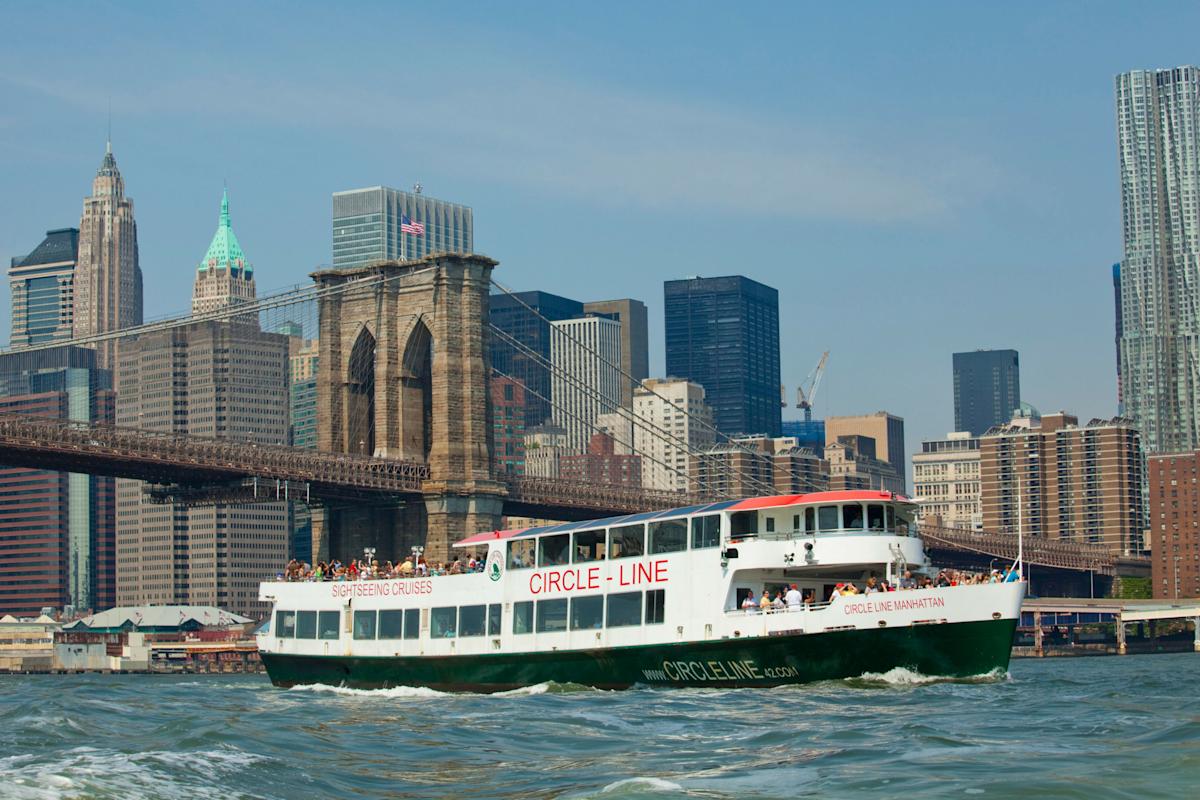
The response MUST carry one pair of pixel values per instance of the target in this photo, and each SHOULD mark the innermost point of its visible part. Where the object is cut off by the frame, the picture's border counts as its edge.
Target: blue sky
(915, 179)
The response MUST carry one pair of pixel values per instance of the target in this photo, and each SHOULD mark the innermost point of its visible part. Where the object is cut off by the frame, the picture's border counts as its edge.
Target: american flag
(408, 226)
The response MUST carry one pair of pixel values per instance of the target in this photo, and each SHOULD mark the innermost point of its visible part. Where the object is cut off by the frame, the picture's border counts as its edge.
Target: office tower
(108, 278)
(723, 333)
(635, 342)
(585, 382)
(678, 408)
(749, 466)
(601, 465)
(43, 290)
(508, 424)
(1174, 525)
(379, 223)
(223, 379)
(946, 481)
(1070, 482)
(1116, 276)
(225, 277)
(56, 528)
(987, 389)
(520, 316)
(809, 433)
(853, 464)
(1158, 139)
(544, 449)
(886, 429)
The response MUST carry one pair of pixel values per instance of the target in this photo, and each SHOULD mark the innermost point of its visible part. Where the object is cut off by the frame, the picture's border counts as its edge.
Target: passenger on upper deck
(749, 604)
(793, 597)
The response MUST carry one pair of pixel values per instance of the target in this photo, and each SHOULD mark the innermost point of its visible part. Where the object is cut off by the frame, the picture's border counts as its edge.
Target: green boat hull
(959, 649)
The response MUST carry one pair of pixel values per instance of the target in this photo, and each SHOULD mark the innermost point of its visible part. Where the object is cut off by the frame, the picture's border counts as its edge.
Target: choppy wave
(90, 772)
(902, 676)
(1103, 728)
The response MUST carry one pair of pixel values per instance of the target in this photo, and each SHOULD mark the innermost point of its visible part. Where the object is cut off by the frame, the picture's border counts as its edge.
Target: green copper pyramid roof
(225, 252)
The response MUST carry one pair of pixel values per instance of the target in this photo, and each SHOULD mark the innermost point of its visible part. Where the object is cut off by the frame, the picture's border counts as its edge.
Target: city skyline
(954, 240)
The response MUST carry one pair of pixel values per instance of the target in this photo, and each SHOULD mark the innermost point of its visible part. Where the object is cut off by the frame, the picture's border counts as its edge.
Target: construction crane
(804, 399)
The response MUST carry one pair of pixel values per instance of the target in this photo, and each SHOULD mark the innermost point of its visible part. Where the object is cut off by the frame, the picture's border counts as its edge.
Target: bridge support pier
(452, 517)
(1122, 648)
(344, 532)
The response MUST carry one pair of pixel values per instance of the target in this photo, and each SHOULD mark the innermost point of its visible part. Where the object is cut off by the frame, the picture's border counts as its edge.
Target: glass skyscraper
(509, 314)
(43, 290)
(1158, 139)
(723, 333)
(379, 223)
(987, 389)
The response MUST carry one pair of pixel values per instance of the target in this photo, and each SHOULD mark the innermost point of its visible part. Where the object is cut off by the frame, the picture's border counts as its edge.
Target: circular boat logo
(494, 561)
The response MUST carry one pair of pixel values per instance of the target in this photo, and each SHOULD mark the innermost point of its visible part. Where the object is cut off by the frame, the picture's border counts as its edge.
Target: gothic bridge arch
(403, 373)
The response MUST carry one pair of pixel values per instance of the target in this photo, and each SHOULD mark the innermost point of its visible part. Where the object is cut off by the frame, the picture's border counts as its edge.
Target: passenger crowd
(790, 597)
(360, 569)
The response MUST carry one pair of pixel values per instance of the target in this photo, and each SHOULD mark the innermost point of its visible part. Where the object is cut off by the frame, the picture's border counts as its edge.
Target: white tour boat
(656, 598)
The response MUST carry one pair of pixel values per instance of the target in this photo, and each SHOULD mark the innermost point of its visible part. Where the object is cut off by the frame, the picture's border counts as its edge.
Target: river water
(1089, 728)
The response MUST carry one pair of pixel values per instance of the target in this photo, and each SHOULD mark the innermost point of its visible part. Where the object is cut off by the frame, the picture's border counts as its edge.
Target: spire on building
(225, 252)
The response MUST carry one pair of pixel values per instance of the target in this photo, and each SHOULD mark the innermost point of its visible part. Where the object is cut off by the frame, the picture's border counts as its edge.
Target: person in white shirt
(793, 598)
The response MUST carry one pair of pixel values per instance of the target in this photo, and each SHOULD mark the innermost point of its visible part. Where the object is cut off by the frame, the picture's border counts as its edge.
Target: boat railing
(797, 534)
(762, 612)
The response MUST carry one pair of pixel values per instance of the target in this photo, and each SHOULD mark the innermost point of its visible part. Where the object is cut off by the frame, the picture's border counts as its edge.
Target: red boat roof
(748, 504)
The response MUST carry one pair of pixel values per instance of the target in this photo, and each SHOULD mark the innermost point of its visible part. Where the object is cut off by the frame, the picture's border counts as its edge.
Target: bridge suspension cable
(637, 383)
(654, 429)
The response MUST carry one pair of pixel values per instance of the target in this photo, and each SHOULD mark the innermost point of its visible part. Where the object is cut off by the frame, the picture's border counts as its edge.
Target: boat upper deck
(830, 519)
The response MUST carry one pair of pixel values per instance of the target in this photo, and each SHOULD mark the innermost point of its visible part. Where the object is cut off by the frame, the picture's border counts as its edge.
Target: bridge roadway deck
(44, 443)
(214, 467)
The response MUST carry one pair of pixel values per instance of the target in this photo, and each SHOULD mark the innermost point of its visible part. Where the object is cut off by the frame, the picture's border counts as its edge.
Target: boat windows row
(621, 541)
(589, 612)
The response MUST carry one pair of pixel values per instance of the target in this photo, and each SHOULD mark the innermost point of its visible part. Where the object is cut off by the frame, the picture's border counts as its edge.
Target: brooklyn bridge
(405, 440)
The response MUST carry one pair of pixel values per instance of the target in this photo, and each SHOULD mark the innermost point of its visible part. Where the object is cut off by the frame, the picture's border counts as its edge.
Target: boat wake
(902, 676)
(550, 687)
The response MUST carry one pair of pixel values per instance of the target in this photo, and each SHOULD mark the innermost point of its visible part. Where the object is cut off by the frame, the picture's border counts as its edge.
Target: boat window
(364, 624)
(668, 536)
(285, 624)
(306, 624)
(743, 523)
(441, 622)
(891, 517)
(655, 599)
(796, 523)
(770, 524)
(706, 531)
(472, 620)
(551, 615)
(587, 612)
(624, 609)
(827, 518)
(810, 519)
(903, 521)
(627, 541)
(521, 553)
(554, 550)
(494, 619)
(523, 617)
(412, 623)
(852, 517)
(589, 545)
(391, 623)
(875, 517)
(327, 624)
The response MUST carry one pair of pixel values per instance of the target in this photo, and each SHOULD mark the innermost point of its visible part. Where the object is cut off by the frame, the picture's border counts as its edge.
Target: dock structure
(1063, 626)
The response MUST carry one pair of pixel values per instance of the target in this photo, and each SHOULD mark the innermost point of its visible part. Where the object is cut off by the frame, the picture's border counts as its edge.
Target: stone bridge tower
(403, 373)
